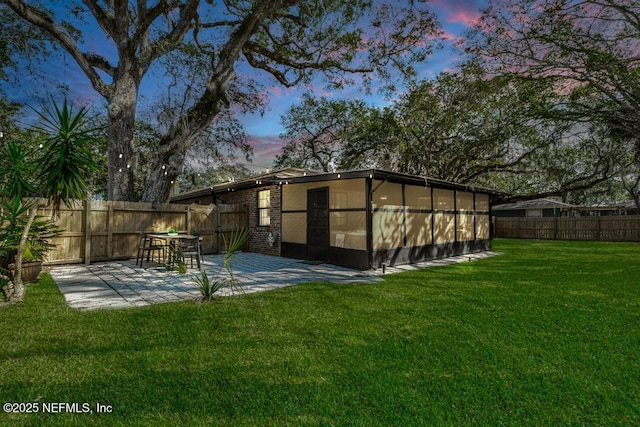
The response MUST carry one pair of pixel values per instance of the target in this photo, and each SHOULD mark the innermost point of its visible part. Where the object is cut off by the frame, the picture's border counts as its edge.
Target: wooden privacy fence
(609, 228)
(106, 230)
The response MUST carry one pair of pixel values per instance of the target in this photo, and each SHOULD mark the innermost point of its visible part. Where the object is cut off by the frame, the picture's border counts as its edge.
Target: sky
(455, 17)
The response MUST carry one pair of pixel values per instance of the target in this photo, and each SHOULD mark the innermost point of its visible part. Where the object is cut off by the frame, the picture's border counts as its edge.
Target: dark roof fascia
(402, 178)
(378, 174)
(383, 175)
(255, 181)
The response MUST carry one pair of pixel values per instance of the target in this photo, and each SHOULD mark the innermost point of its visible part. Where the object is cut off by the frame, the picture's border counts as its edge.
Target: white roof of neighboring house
(534, 204)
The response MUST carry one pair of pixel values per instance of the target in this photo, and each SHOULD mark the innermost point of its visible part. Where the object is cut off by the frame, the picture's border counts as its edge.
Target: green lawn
(546, 334)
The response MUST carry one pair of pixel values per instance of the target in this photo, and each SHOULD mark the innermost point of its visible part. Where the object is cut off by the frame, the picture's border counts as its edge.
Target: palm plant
(66, 154)
(61, 167)
(238, 238)
(209, 287)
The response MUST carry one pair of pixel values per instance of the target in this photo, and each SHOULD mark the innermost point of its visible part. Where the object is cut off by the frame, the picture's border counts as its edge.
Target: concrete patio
(124, 284)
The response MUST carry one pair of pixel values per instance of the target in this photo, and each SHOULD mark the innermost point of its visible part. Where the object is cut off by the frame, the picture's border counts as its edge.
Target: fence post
(87, 231)
(189, 219)
(110, 231)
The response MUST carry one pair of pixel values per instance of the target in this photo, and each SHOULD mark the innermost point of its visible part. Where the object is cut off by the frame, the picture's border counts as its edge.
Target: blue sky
(455, 17)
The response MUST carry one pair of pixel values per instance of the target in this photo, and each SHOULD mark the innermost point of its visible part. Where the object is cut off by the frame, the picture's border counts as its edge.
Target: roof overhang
(279, 178)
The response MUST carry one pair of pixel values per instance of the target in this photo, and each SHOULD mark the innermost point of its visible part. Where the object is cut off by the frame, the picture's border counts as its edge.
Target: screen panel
(483, 225)
(482, 202)
(348, 229)
(387, 195)
(347, 194)
(294, 227)
(443, 230)
(387, 230)
(464, 201)
(419, 229)
(465, 226)
(443, 199)
(417, 197)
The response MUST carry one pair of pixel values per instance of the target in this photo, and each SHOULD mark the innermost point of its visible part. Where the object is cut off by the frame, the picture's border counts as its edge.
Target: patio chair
(149, 246)
(191, 248)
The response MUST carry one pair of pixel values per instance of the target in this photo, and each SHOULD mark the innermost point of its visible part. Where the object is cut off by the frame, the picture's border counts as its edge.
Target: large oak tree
(589, 50)
(289, 40)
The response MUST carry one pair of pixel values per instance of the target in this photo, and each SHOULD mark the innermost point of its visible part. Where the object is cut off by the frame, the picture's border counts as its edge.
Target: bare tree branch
(44, 22)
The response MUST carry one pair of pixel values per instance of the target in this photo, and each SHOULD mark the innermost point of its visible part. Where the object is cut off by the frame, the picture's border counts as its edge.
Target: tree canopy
(468, 127)
(346, 41)
(588, 50)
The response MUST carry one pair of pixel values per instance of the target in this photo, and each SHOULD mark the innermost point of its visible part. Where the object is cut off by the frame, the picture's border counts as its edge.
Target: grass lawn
(546, 334)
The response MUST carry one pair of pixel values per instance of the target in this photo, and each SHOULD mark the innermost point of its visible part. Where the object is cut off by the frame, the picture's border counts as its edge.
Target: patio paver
(120, 284)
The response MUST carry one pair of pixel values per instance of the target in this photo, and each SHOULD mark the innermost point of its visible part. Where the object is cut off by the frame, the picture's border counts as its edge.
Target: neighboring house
(537, 208)
(609, 209)
(360, 219)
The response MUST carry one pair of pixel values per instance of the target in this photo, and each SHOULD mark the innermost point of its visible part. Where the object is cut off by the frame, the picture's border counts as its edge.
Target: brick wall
(258, 235)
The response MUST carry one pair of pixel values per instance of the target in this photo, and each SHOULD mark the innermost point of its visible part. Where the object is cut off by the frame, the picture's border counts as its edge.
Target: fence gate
(230, 219)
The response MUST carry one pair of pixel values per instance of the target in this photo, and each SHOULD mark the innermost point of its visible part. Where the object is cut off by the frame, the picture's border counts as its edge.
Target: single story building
(360, 219)
(610, 209)
(537, 208)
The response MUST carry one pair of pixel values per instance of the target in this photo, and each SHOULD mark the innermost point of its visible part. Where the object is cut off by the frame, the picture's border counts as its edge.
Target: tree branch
(46, 24)
(168, 42)
(105, 20)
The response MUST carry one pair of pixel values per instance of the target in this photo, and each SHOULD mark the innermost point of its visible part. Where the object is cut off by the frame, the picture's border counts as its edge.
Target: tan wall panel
(418, 229)
(347, 194)
(387, 195)
(482, 202)
(343, 194)
(443, 199)
(444, 228)
(465, 227)
(482, 226)
(417, 197)
(294, 197)
(294, 227)
(387, 230)
(464, 201)
(348, 230)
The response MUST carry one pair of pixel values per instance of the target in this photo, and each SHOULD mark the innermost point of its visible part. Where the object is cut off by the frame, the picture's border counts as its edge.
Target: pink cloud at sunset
(265, 149)
(465, 12)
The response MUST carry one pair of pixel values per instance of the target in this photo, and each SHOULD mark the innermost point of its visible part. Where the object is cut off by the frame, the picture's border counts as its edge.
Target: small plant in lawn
(209, 287)
(176, 262)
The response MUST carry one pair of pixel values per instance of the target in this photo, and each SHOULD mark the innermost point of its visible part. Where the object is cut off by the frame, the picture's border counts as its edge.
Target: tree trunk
(174, 146)
(636, 193)
(18, 286)
(120, 127)
(164, 172)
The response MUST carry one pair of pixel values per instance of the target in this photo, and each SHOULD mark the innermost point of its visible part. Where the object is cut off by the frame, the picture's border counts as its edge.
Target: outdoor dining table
(173, 242)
